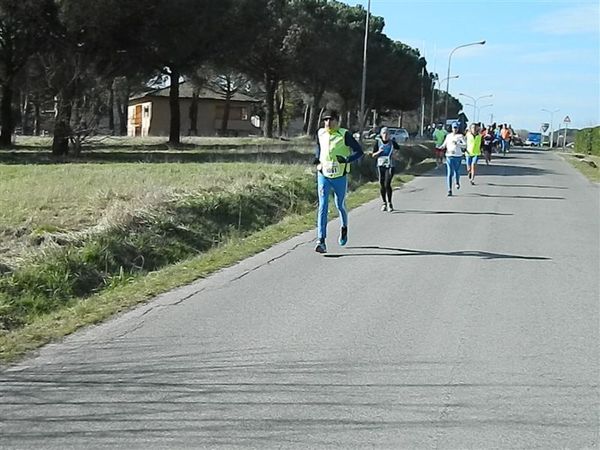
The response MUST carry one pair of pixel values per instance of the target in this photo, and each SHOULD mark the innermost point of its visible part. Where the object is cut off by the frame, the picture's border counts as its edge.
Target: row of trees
(85, 57)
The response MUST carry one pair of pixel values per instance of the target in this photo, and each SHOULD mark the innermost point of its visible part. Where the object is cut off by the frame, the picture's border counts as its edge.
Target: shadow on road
(526, 186)
(495, 169)
(392, 251)
(530, 197)
(466, 213)
(163, 392)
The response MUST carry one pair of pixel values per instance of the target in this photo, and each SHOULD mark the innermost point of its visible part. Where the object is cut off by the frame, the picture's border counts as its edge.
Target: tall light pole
(448, 76)
(481, 107)
(433, 94)
(364, 74)
(474, 105)
(551, 125)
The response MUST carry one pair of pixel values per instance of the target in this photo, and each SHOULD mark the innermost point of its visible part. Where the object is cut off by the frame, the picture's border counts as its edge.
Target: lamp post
(478, 109)
(364, 74)
(481, 107)
(448, 76)
(433, 94)
(474, 105)
(551, 125)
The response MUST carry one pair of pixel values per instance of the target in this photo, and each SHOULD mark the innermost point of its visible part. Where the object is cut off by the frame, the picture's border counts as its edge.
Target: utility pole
(364, 75)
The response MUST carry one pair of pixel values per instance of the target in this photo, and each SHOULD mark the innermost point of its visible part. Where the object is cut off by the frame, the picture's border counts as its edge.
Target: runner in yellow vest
(473, 150)
(336, 149)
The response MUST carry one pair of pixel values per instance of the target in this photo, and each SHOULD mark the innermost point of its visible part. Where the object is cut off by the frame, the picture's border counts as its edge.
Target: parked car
(400, 135)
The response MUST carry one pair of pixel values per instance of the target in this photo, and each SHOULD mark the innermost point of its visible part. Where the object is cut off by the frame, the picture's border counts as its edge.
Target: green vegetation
(589, 165)
(83, 241)
(587, 141)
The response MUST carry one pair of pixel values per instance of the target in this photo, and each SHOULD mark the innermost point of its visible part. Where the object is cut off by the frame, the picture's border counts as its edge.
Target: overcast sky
(539, 54)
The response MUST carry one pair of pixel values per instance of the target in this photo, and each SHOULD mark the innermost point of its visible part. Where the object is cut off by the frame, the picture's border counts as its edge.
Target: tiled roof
(186, 90)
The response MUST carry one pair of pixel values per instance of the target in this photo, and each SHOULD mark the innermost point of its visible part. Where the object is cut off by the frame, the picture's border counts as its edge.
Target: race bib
(330, 168)
(383, 161)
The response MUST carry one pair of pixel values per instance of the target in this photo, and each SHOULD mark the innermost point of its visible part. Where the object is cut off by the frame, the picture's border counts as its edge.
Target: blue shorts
(472, 159)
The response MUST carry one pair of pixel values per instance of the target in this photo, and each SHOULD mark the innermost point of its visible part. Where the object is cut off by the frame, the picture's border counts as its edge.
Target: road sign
(545, 127)
(567, 119)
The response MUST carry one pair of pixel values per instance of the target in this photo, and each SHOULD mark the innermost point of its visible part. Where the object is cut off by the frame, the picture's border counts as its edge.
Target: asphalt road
(463, 322)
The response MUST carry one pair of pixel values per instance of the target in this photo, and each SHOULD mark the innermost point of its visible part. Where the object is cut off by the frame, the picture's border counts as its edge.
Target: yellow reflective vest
(331, 145)
(473, 144)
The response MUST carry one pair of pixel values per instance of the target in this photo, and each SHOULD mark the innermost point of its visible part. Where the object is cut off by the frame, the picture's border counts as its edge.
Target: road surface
(463, 322)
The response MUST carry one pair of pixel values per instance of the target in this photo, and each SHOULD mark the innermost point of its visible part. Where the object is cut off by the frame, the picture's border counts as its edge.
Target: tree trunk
(175, 126)
(111, 110)
(226, 110)
(62, 127)
(122, 101)
(313, 121)
(280, 109)
(306, 118)
(193, 114)
(270, 84)
(25, 108)
(6, 115)
(37, 118)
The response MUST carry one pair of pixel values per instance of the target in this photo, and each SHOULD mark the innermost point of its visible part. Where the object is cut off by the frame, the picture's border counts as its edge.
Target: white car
(400, 135)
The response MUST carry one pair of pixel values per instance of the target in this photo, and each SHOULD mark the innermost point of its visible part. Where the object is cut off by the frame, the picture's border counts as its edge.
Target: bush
(587, 141)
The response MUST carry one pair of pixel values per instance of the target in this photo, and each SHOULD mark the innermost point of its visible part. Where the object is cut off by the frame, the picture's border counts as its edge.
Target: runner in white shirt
(455, 146)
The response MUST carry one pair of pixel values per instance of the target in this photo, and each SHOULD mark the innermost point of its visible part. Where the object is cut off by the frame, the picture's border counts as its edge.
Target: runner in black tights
(383, 150)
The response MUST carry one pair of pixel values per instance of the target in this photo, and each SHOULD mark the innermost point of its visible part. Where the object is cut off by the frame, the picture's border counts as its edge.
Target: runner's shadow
(392, 251)
(468, 213)
(526, 186)
(530, 197)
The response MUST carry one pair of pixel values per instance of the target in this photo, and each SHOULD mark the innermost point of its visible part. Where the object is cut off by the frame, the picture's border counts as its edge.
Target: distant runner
(438, 136)
(488, 143)
(383, 150)
(454, 145)
(473, 150)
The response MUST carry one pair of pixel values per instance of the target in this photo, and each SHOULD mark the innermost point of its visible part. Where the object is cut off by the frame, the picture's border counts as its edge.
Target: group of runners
(337, 149)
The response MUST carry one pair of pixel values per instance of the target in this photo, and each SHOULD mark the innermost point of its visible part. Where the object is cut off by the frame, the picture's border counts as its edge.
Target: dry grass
(38, 199)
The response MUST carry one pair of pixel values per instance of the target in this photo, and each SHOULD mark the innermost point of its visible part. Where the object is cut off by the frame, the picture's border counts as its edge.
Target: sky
(539, 54)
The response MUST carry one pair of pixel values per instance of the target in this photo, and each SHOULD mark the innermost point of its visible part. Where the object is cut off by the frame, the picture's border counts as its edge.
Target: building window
(146, 111)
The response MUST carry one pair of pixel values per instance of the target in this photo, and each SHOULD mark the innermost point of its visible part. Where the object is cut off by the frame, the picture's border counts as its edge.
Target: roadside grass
(39, 199)
(159, 226)
(138, 289)
(589, 165)
(161, 142)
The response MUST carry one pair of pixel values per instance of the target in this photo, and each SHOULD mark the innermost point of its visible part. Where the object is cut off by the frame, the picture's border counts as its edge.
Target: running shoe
(449, 193)
(457, 186)
(343, 236)
(321, 247)
(390, 207)
(384, 207)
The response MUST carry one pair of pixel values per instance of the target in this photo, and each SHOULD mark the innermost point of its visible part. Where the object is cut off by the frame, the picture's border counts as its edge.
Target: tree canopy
(84, 49)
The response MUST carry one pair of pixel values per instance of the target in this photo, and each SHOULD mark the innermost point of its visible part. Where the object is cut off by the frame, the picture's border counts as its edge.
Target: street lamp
(551, 125)
(474, 105)
(478, 109)
(481, 107)
(433, 93)
(364, 75)
(448, 76)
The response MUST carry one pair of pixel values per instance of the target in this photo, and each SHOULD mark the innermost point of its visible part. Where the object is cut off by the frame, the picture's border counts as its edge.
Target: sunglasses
(328, 118)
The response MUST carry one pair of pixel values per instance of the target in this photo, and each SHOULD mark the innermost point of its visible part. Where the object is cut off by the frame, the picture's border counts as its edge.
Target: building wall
(209, 117)
(139, 118)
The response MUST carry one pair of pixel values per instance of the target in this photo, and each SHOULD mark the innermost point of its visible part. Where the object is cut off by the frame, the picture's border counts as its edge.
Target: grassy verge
(85, 278)
(589, 165)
